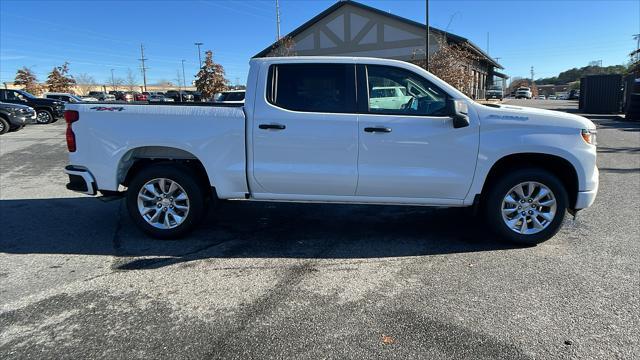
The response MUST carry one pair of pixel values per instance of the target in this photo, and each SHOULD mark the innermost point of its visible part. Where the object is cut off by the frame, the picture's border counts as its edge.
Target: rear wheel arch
(134, 160)
(556, 165)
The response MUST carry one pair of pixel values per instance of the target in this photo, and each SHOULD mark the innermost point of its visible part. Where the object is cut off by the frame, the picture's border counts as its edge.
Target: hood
(41, 101)
(533, 116)
(14, 106)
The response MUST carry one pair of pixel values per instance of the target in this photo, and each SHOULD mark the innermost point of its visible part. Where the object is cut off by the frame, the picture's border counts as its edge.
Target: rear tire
(529, 219)
(170, 212)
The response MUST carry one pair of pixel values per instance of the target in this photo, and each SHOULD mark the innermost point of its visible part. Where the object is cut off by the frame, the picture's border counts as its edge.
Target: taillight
(71, 116)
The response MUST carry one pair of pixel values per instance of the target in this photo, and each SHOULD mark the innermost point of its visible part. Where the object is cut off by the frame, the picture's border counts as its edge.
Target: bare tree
(451, 63)
(132, 80)
(286, 46)
(115, 82)
(85, 83)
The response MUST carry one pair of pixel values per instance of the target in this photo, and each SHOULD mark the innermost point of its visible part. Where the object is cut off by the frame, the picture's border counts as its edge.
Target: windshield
(25, 94)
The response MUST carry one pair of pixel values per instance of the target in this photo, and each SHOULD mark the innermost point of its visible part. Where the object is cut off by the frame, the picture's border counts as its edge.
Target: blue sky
(97, 36)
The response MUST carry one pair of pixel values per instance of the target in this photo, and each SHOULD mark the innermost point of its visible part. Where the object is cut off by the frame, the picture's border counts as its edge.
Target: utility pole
(144, 69)
(113, 81)
(199, 55)
(184, 81)
(532, 74)
(487, 43)
(277, 20)
(426, 43)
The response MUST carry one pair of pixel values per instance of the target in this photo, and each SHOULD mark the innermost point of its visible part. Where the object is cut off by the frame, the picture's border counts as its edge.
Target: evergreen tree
(27, 79)
(59, 80)
(210, 79)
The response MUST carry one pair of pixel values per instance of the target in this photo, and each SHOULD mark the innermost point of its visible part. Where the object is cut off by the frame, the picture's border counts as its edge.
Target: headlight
(589, 136)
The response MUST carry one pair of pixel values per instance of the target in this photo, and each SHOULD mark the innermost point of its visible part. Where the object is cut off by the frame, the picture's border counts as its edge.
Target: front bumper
(81, 180)
(586, 198)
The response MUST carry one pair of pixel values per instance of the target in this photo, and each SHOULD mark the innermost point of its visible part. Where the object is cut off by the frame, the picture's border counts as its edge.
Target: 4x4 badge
(104, 108)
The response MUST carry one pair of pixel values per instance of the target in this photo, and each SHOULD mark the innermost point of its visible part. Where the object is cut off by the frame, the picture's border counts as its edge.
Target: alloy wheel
(163, 203)
(528, 208)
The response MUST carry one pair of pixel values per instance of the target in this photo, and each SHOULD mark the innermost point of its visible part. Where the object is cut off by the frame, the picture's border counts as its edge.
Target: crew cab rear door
(304, 131)
(412, 151)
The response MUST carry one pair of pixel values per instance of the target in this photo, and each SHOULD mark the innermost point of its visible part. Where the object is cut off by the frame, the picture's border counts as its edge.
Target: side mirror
(459, 111)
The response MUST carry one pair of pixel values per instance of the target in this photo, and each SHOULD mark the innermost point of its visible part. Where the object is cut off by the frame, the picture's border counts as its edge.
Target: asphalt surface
(288, 281)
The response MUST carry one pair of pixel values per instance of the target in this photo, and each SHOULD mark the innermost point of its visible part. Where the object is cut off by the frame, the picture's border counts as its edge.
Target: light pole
(198, 44)
(113, 82)
(184, 83)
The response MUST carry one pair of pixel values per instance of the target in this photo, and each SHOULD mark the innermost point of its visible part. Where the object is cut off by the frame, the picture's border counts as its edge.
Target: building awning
(500, 75)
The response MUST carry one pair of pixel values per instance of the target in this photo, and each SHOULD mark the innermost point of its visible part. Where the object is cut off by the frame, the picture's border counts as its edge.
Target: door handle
(377, 129)
(272, 126)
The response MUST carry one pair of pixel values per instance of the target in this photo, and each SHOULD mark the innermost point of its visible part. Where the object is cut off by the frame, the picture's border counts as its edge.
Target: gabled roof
(453, 37)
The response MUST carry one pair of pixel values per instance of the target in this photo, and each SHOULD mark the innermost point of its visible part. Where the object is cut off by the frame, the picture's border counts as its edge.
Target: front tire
(166, 201)
(526, 207)
(44, 117)
(4, 126)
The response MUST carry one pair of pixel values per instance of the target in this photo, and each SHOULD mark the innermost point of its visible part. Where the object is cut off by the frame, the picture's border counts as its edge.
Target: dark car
(178, 95)
(14, 116)
(494, 92)
(102, 96)
(47, 110)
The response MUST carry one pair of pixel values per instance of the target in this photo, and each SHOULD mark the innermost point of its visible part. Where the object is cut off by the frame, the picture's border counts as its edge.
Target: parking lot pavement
(270, 280)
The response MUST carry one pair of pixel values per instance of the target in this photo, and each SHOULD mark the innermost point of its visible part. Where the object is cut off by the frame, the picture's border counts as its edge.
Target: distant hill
(575, 74)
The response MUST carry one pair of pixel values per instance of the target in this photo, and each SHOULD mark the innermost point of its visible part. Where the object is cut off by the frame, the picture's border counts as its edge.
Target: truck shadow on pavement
(87, 226)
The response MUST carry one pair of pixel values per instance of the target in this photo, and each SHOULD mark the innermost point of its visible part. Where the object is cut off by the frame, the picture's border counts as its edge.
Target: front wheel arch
(558, 166)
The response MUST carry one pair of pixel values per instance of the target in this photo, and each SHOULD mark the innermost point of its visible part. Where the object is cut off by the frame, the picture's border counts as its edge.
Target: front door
(305, 132)
(412, 150)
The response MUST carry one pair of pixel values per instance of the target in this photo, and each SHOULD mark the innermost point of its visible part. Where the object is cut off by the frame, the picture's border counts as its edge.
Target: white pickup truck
(307, 133)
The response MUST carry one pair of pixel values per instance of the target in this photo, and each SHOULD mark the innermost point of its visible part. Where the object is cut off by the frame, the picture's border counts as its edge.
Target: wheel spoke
(524, 227)
(547, 203)
(536, 223)
(510, 200)
(530, 188)
(152, 189)
(508, 211)
(161, 183)
(546, 216)
(181, 197)
(541, 194)
(173, 187)
(520, 191)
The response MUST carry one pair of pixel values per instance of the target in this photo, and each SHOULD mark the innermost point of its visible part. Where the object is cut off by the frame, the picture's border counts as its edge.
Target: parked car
(47, 110)
(305, 136)
(231, 97)
(552, 97)
(197, 96)
(179, 95)
(14, 116)
(159, 98)
(381, 97)
(102, 96)
(128, 96)
(66, 97)
(523, 93)
(494, 92)
(574, 94)
(541, 97)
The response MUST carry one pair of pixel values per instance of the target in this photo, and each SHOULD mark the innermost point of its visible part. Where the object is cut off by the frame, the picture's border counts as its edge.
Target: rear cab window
(313, 87)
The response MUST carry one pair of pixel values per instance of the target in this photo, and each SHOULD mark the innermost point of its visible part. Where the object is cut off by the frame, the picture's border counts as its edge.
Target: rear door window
(312, 87)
